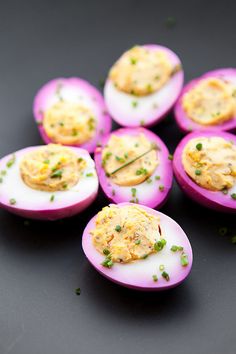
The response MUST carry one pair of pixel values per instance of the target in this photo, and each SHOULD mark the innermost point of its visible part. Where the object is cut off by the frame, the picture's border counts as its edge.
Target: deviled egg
(137, 247)
(47, 182)
(208, 102)
(70, 111)
(205, 167)
(143, 85)
(134, 165)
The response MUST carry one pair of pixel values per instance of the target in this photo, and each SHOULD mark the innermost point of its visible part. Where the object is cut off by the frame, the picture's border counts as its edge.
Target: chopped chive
(136, 145)
(161, 188)
(141, 171)
(65, 185)
(134, 104)
(61, 124)
(3, 172)
(184, 259)
(170, 157)
(118, 228)
(78, 291)
(161, 267)
(46, 162)
(159, 245)
(223, 231)
(142, 122)
(80, 159)
(120, 159)
(145, 256)
(52, 198)
(224, 191)
(1, 179)
(11, 161)
(154, 277)
(233, 196)
(157, 178)
(107, 262)
(199, 146)
(90, 174)
(165, 275)
(126, 155)
(198, 172)
(133, 191)
(149, 88)
(106, 251)
(57, 174)
(133, 61)
(233, 239)
(12, 201)
(149, 180)
(137, 242)
(175, 248)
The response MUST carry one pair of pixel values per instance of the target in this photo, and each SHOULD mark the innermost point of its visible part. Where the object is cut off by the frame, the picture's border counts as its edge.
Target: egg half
(153, 189)
(160, 270)
(18, 171)
(70, 111)
(226, 80)
(132, 110)
(221, 200)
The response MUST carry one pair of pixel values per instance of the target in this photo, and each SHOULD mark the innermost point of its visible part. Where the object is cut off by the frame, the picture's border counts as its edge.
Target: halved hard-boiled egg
(134, 165)
(208, 102)
(70, 111)
(143, 85)
(205, 167)
(47, 182)
(137, 247)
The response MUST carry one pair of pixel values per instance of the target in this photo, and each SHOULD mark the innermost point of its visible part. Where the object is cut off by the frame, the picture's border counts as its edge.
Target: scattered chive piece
(136, 145)
(12, 201)
(46, 162)
(170, 22)
(223, 231)
(224, 191)
(175, 248)
(134, 104)
(106, 251)
(149, 180)
(170, 157)
(90, 174)
(65, 185)
(165, 275)
(161, 267)
(107, 262)
(133, 191)
(199, 146)
(233, 239)
(11, 161)
(233, 196)
(161, 188)
(80, 159)
(154, 277)
(142, 122)
(133, 61)
(1, 179)
(184, 259)
(118, 228)
(120, 159)
(159, 245)
(137, 242)
(145, 256)
(157, 178)
(126, 155)
(78, 291)
(3, 172)
(198, 173)
(141, 171)
(61, 124)
(52, 198)
(56, 174)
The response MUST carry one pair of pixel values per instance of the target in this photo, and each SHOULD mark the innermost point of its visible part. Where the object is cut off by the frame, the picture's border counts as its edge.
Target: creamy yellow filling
(51, 168)
(126, 234)
(141, 71)
(69, 123)
(120, 150)
(210, 162)
(210, 102)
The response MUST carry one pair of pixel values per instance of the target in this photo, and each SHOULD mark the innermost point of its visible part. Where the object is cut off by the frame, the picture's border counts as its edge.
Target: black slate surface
(42, 264)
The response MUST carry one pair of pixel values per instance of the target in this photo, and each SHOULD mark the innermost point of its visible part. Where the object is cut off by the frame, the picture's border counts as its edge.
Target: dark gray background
(41, 264)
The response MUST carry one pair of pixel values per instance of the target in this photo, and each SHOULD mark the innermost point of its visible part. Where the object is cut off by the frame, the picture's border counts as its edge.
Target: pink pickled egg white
(188, 125)
(74, 90)
(211, 199)
(35, 204)
(139, 274)
(148, 194)
(151, 108)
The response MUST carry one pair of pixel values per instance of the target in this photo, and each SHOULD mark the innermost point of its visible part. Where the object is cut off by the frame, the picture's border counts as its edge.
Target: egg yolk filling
(51, 168)
(210, 102)
(69, 123)
(126, 234)
(210, 162)
(141, 71)
(129, 160)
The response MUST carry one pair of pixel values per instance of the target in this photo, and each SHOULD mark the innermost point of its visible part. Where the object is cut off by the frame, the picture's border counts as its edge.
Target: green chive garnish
(157, 178)
(107, 262)
(106, 251)
(118, 228)
(12, 201)
(154, 277)
(199, 146)
(165, 275)
(184, 259)
(90, 174)
(78, 291)
(57, 174)
(175, 248)
(233, 196)
(161, 267)
(161, 188)
(134, 104)
(133, 191)
(11, 161)
(170, 157)
(137, 242)
(52, 198)
(198, 172)
(159, 245)
(223, 231)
